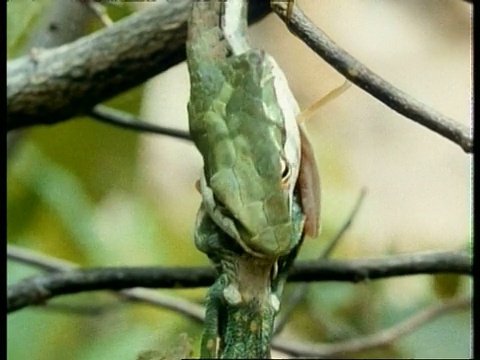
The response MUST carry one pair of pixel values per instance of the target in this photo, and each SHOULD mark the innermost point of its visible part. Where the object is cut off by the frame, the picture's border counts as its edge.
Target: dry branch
(67, 81)
(57, 84)
(39, 289)
(363, 77)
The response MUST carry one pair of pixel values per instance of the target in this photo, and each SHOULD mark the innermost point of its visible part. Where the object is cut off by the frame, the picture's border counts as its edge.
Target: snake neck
(217, 30)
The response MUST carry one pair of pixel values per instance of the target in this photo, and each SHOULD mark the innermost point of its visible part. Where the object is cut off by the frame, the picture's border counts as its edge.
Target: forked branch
(197, 312)
(126, 54)
(42, 288)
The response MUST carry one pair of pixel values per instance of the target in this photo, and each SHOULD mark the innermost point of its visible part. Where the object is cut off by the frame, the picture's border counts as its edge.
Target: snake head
(250, 143)
(253, 211)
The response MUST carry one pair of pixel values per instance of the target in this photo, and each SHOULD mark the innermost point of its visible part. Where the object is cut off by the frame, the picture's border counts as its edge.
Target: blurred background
(97, 195)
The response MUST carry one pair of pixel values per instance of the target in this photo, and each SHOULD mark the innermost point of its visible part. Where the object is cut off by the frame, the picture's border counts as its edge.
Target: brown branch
(48, 263)
(39, 289)
(373, 84)
(124, 120)
(373, 269)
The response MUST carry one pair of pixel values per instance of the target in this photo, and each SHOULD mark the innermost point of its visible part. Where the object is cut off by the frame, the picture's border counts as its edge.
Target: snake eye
(285, 168)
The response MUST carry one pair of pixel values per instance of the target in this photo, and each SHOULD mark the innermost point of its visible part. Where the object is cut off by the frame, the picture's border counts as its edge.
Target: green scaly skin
(244, 300)
(250, 223)
(242, 120)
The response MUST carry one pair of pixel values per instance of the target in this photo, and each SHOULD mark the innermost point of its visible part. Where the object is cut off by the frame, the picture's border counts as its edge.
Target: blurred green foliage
(22, 15)
(75, 191)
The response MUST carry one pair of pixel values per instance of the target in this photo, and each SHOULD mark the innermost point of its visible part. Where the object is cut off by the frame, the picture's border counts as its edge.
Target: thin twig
(124, 120)
(38, 260)
(187, 308)
(298, 294)
(100, 11)
(359, 74)
(348, 223)
(42, 288)
(48, 263)
(381, 338)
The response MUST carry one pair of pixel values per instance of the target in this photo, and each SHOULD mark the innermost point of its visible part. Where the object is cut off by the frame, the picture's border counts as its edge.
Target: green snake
(259, 184)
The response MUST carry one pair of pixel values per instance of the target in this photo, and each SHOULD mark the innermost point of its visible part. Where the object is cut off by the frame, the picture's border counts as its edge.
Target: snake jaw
(250, 141)
(289, 109)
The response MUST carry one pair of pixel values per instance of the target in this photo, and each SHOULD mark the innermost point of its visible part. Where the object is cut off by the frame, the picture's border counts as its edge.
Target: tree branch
(65, 81)
(48, 263)
(100, 12)
(124, 120)
(197, 313)
(382, 90)
(39, 289)
(38, 260)
(69, 80)
(381, 338)
(64, 22)
(373, 269)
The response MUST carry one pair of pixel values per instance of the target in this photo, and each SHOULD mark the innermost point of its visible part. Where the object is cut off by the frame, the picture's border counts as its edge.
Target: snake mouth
(272, 242)
(236, 230)
(246, 240)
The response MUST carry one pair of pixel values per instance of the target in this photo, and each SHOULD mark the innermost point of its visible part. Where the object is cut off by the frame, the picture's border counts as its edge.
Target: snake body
(252, 220)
